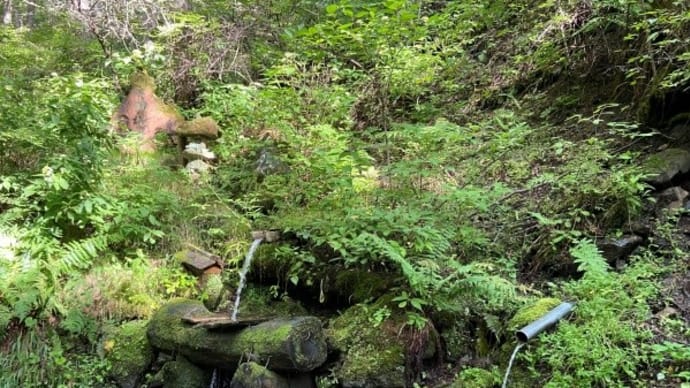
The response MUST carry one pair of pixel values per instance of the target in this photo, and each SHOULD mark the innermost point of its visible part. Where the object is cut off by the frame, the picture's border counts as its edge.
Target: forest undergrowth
(476, 152)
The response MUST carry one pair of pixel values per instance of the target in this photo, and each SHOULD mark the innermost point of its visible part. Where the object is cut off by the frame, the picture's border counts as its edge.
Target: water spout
(533, 329)
(268, 235)
(243, 275)
(547, 320)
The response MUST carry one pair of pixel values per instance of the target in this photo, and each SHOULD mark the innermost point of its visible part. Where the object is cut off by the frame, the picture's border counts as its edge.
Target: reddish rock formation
(142, 111)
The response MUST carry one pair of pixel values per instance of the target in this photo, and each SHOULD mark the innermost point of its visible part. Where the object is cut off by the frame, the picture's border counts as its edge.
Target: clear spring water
(510, 364)
(214, 379)
(243, 276)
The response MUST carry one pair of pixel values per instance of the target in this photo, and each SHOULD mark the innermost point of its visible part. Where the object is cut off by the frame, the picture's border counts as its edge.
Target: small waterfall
(510, 363)
(243, 275)
(214, 379)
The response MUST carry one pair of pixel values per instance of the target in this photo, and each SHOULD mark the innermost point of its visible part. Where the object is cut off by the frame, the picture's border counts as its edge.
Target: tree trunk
(30, 15)
(7, 12)
(282, 344)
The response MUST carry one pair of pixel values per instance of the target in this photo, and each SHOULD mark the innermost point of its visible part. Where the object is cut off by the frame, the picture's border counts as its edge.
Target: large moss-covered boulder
(282, 344)
(371, 355)
(144, 112)
(127, 349)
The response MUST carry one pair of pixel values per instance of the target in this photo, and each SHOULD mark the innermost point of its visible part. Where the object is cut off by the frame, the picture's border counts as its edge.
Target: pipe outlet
(547, 320)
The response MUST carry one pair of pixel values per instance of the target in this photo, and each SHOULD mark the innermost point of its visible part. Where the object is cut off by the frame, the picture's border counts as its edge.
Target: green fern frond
(589, 259)
(75, 321)
(80, 254)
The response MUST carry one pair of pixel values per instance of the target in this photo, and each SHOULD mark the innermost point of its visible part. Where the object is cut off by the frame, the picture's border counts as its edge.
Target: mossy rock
(258, 301)
(371, 355)
(340, 286)
(202, 126)
(532, 312)
(171, 112)
(180, 256)
(457, 341)
(181, 374)
(213, 291)
(253, 375)
(476, 378)
(359, 286)
(127, 349)
(291, 344)
(266, 265)
(663, 166)
(141, 80)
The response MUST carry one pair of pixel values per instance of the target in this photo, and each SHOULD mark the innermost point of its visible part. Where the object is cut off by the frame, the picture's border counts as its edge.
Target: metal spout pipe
(547, 320)
(268, 236)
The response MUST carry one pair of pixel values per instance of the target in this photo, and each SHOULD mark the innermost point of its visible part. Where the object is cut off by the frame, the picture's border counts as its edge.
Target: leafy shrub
(39, 357)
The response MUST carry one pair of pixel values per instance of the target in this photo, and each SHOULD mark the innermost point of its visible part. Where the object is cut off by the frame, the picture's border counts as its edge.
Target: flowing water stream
(243, 276)
(214, 379)
(510, 364)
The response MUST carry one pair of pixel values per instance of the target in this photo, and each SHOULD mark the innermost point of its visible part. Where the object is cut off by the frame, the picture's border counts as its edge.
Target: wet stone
(667, 312)
(683, 225)
(672, 198)
(641, 228)
(619, 249)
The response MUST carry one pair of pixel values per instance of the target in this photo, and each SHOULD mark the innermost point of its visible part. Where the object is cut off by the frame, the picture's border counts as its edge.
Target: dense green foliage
(472, 150)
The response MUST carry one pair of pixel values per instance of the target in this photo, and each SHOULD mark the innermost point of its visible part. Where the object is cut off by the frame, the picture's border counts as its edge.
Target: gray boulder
(663, 166)
(619, 249)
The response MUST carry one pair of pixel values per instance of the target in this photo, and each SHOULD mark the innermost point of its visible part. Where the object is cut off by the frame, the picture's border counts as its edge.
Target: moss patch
(457, 339)
(258, 301)
(251, 374)
(202, 126)
(371, 355)
(360, 286)
(182, 374)
(213, 291)
(477, 378)
(127, 349)
(532, 312)
(141, 80)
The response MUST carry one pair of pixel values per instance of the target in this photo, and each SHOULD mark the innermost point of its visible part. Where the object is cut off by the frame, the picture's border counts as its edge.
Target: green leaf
(331, 9)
